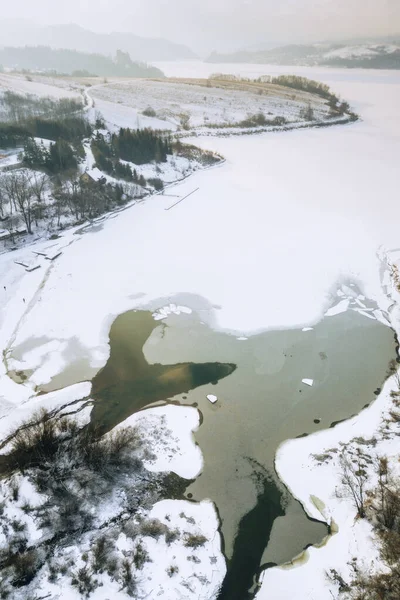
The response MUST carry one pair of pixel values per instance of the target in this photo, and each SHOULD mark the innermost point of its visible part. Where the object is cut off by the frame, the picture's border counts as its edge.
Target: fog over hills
(370, 55)
(20, 32)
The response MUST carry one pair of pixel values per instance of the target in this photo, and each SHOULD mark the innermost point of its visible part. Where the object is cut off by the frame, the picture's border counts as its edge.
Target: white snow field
(203, 105)
(39, 86)
(363, 51)
(265, 238)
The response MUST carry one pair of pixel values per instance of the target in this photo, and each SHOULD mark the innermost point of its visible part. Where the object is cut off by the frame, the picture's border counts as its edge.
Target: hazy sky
(218, 24)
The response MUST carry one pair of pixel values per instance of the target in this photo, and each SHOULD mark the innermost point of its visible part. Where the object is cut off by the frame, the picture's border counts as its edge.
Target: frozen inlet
(309, 382)
(212, 398)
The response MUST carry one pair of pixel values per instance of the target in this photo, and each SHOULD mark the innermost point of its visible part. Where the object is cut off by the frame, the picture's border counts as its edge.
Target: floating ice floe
(342, 306)
(364, 313)
(165, 311)
(242, 339)
(361, 304)
(308, 329)
(309, 382)
(380, 316)
(349, 292)
(212, 398)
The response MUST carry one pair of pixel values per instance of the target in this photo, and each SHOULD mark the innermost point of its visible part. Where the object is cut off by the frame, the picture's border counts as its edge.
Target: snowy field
(204, 105)
(264, 238)
(39, 86)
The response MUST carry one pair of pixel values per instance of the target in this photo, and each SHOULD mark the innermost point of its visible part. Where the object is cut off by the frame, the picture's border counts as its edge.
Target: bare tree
(388, 493)
(21, 194)
(6, 191)
(11, 224)
(354, 479)
(3, 199)
(39, 183)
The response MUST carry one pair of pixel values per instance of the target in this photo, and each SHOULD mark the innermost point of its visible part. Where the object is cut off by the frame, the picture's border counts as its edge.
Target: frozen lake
(260, 400)
(266, 239)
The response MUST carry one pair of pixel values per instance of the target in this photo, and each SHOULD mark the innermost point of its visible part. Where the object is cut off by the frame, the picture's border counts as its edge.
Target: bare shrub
(194, 559)
(335, 577)
(140, 557)
(390, 550)
(153, 528)
(25, 567)
(128, 580)
(156, 183)
(149, 112)
(101, 555)
(195, 541)
(84, 582)
(184, 119)
(113, 451)
(172, 570)
(54, 447)
(18, 526)
(385, 515)
(171, 535)
(382, 586)
(14, 487)
(35, 442)
(354, 478)
(307, 113)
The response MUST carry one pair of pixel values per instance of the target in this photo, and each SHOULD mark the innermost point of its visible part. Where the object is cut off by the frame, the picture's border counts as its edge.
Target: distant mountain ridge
(368, 55)
(72, 62)
(74, 37)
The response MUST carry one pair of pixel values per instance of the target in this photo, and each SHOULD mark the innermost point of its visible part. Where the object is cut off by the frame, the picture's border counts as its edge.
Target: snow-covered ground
(311, 468)
(265, 238)
(187, 564)
(204, 105)
(39, 86)
(9, 157)
(362, 51)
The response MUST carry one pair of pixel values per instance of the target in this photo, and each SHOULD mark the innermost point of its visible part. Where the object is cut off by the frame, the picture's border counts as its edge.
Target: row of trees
(60, 156)
(16, 108)
(141, 146)
(107, 161)
(72, 129)
(306, 85)
(22, 117)
(27, 198)
(86, 201)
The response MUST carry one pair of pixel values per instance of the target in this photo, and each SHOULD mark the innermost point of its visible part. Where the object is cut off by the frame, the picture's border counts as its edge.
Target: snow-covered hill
(365, 55)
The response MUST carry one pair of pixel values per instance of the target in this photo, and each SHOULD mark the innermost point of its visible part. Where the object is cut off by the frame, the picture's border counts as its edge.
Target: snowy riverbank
(265, 239)
(311, 468)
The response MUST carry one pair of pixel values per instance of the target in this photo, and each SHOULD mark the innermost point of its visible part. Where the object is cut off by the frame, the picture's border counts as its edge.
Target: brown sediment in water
(128, 383)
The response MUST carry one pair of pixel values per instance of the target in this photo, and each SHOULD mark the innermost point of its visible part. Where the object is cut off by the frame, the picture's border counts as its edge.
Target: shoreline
(295, 462)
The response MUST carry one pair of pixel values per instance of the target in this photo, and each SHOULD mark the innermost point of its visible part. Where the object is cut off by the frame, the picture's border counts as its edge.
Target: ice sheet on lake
(341, 307)
(170, 309)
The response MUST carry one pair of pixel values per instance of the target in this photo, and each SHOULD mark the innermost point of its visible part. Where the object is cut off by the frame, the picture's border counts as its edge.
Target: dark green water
(261, 402)
(128, 382)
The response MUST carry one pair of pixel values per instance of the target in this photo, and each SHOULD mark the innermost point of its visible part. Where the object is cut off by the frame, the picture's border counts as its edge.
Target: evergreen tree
(61, 157)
